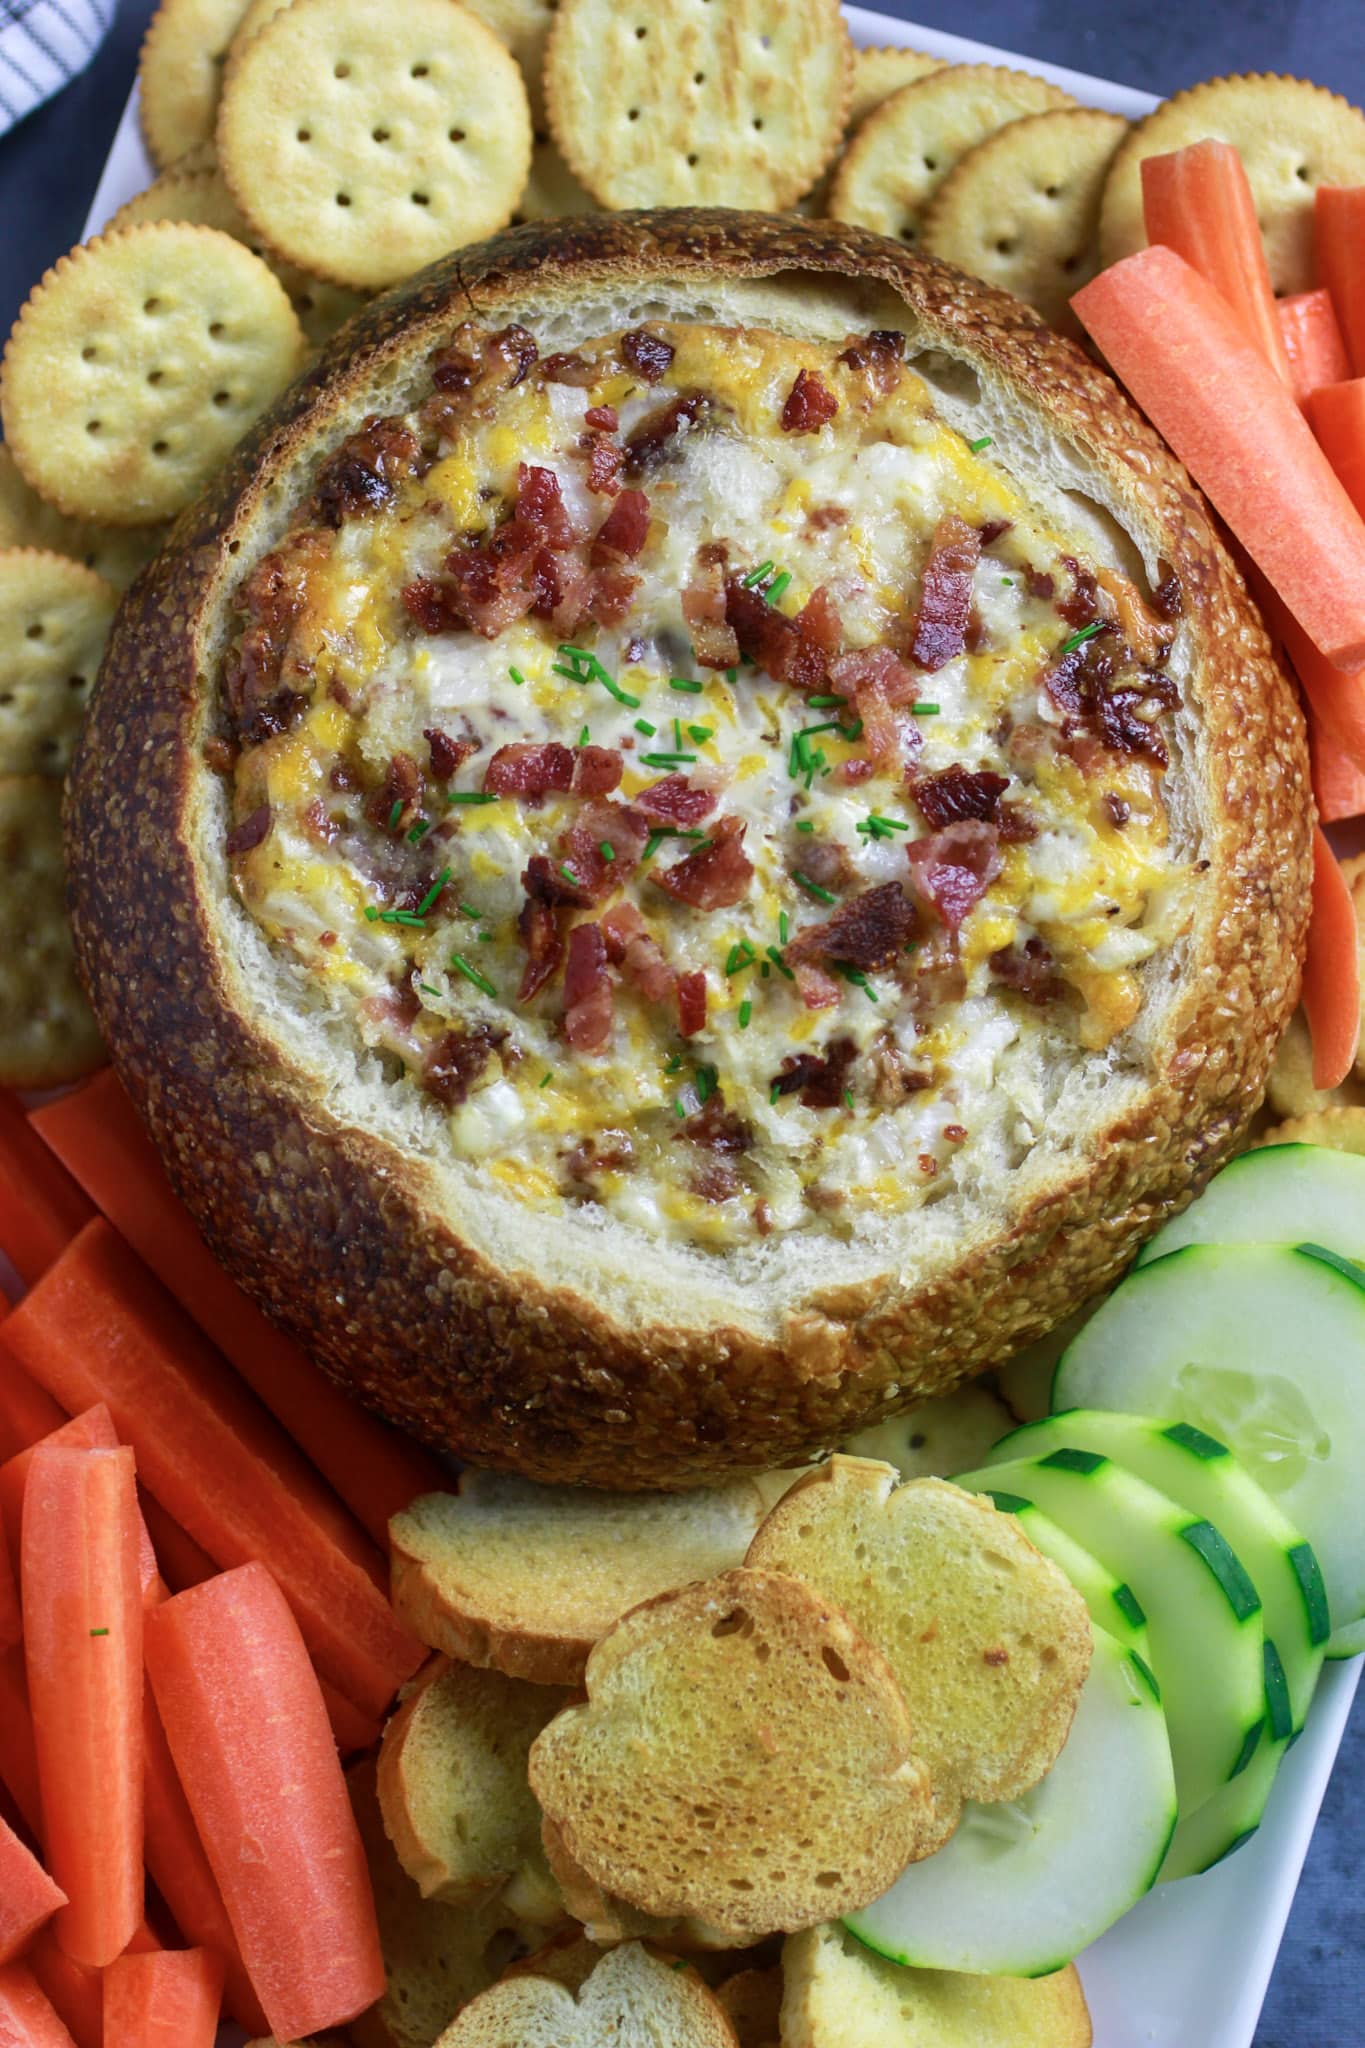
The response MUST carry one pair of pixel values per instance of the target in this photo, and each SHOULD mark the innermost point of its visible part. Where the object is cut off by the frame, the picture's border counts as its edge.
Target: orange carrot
(11, 1620)
(26, 2018)
(180, 1871)
(166, 2000)
(1198, 202)
(250, 1737)
(28, 1896)
(180, 1558)
(83, 1650)
(1339, 250)
(97, 1327)
(76, 1991)
(1236, 427)
(94, 1430)
(1336, 414)
(41, 1207)
(1312, 341)
(1331, 970)
(352, 1730)
(18, 1758)
(1336, 701)
(27, 1414)
(96, 1134)
(1338, 784)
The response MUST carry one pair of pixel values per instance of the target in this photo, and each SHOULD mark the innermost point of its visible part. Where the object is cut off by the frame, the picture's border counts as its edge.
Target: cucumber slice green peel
(1278, 1194)
(1256, 1346)
(1021, 1888)
(1113, 1606)
(1203, 1613)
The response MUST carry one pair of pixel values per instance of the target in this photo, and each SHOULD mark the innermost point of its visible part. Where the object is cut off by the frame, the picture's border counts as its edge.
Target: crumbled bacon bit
(318, 824)
(599, 823)
(820, 1080)
(622, 533)
(452, 371)
(607, 1152)
(1028, 969)
(524, 565)
(822, 517)
(871, 930)
(221, 755)
(817, 990)
(704, 607)
(648, 354)
(274, 600)
(402, 786)
(458, 1060)
(894, 1079)
(714, 1181)
(1117, 810)
(958, 792)
(878, 356)
(1039, 585)
(596, 770)
(538, 927)
(446, 752)
(604, 465)
(928, 1165)
(946, 594)
(364, 473)
(823, 861)
(610, 596)
(544, 882)
(512, 350)
(716, 877)
(880, 684)
(1168, 599)
(251, 831)
(1081, 605)
(951, 870)
(587, 990)
(793, 651)
(955, 1133)
(527, 769)
(433, 606)
(674, 801)
(567, 368)
(810, 405)
(652, 442)
(1121, 718)
(604, 417)
(992, 530)
(691, 1003)
(631, 947)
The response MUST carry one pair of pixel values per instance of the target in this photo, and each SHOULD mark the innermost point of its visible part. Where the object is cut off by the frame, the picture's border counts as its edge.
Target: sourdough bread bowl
(958, 968)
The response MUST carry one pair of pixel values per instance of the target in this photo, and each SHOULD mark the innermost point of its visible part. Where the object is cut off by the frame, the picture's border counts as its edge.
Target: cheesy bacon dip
(694, 766)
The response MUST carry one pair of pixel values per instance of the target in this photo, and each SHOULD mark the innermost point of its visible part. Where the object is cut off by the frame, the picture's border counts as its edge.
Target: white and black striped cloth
(43, 43)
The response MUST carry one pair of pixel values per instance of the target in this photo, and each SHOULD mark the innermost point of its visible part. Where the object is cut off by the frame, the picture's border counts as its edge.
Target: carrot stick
(1338, 784)
(11, 1620)
(167, 2000)
(1339, 250)
(1198, 202)
(1336, 701)
(1312, 341)
(180, 1871)
(41, 1207)
(352, 1730)
(26, 2018)
(98, 1328)
(1336, 414)
(28, 1896)
(18, 1758)
(76, 1991)
(250, 1737)
(96, 1134)
(27, 1413)
(1236, 427)
(83, 1652)
(94, 1430)
(1331, 970)
(180, 1558)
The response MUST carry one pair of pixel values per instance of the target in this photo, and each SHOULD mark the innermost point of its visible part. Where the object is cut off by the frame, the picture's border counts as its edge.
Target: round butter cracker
(27, 521)
(363, 142)
(1021, 210)
(879, 73)
(524, 26)
(907, 146)
(55, 617)
(138, 363)
(1291, 137)
(180, 73)
(47, 1034)
(740, 104)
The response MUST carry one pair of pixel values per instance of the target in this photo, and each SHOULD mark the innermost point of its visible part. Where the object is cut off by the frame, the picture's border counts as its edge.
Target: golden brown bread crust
(326, 1226)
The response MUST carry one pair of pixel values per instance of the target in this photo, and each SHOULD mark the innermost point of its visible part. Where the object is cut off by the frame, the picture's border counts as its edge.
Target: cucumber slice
(1113, 1606)
(1203, 1476)
(1259, 1345)
(1279, 1194)
(1223, 1823)
(1203, 1613)
(1023, 1887)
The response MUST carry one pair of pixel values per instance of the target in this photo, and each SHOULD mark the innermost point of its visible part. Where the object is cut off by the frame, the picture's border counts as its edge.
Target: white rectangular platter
(1188, 1968)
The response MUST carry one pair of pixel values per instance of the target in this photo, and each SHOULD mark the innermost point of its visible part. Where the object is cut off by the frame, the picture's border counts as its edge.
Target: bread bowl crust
(330, 1227)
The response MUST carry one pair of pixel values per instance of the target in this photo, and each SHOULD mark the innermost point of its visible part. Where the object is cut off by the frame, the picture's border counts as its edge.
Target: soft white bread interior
(631, 2000)
(742, 1757)
(453, 1790)
(989, 1641)
(526, 1578)
(838, 1994)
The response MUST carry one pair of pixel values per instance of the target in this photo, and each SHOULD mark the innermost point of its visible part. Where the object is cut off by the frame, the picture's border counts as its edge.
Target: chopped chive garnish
(701, 733)
(485, 938)
(419, 830)
(396, 813)
(779, 963)
(821, 703)
(861, 981)
(805, 824)
(814, 889)
(372, 912)
(569, 875)
(471, 796)
(707, 1079)
(746, 1011)
(606, 849)
(732, 675)
(677, 735)
(672, 1063)
(740, 956)
(428, 990)
(433, 892)
(99, 1631)
(409, 917)
(764, 969)
(923, 710)
(756, 575)
(480, 981)
(781, 927)
(470, 911)
(874, 826)
(588, 669)
(848, 1097)
(516, 675)
(584, 737)
(774, 1092)
(643, 725)
(1079, 639)
(776, 587)
(679, 1106)
(1008, 582)
(670, 760)
(545, 1080)
(652, 845)
(693, 688)
(977, 446)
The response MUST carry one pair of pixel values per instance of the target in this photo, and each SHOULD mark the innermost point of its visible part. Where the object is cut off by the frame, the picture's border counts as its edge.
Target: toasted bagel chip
(138, 363)
(734, 105)
(180, 73)
(907, 146)
(1022, 209)
(363, 142)
(631, 1999)
(1291, 137)
(27, 521)
(47, 1034)
(55, 617)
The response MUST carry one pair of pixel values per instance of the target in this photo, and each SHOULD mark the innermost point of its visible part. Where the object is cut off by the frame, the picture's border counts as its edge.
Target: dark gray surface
(48, 171)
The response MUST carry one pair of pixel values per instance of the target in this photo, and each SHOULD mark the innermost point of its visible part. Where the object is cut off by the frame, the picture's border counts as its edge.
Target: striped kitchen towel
(43, 43)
